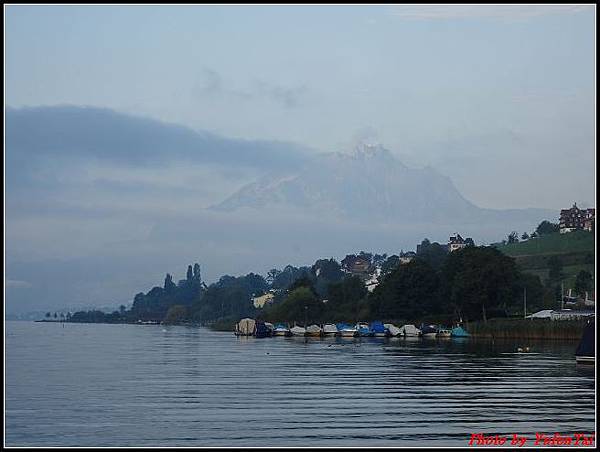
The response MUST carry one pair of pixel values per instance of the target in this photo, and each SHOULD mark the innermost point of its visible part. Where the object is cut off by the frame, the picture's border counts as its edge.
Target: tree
(410, 292)
(390, 264)
(55, 315)
(176, 314)
(299, 303)
(432, 253)
(546, 227)
(583, 283)
(513, 237)
(525, 236)
(272, 275)
(197, 272)
(169, 284)
(344, 298)
(479, 281)
(48, 315)
(189, 275)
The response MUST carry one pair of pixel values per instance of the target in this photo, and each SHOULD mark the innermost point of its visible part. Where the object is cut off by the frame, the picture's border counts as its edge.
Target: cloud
(211, 83)
(18, 284)
(502, 12)
(76, 132)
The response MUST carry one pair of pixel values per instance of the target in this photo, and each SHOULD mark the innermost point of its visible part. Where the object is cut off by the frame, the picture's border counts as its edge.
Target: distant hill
(576, 251)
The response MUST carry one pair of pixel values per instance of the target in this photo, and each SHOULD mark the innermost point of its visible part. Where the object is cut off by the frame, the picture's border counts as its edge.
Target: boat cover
(245, 327)
(377, 327)
(459, 331)
(587, 345)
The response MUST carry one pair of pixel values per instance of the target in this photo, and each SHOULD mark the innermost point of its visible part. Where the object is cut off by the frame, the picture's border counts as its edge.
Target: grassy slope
(576, 250)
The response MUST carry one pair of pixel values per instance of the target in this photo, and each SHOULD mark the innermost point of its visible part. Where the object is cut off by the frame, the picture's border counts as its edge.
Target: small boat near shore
(364, 330)
(281, 330)
(378, 329)
(392, 329)
(429, 331)
(329, 329)
(410, 331)
(313, 330)
(586, 350)
(263, 329)
(347, 330)
(298, 331)
(245, 327)
(444, 332)
(459, 331)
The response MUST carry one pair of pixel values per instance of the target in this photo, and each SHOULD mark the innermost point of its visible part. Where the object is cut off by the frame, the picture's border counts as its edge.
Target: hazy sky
(483, 93)
(501, 99)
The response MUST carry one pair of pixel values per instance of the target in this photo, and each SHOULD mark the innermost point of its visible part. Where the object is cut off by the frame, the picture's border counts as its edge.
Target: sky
(501, 99)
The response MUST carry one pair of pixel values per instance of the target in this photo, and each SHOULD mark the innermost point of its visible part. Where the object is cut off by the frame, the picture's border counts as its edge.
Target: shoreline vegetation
(479, 286)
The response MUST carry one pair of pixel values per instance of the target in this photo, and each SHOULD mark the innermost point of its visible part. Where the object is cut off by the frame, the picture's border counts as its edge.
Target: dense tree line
(470, 284)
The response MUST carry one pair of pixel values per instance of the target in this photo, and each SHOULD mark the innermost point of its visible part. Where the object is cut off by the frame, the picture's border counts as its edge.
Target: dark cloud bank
(73, 239)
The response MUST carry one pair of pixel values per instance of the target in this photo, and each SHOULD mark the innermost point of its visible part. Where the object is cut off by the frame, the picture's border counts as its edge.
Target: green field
(575, 249)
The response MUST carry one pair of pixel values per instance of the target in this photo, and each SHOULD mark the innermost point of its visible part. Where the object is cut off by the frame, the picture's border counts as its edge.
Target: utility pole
(562, 296)
(524, 302)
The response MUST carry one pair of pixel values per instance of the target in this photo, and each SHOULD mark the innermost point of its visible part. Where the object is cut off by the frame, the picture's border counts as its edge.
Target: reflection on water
(111, 385)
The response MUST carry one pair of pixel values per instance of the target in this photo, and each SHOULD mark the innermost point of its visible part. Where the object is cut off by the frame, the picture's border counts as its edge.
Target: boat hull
(349, 333)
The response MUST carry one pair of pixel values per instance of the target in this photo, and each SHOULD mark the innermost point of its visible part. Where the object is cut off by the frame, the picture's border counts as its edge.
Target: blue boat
(378, 329)
(346, 330)
(263, 330)
(429, 331)
(364, 330)
(459, 331)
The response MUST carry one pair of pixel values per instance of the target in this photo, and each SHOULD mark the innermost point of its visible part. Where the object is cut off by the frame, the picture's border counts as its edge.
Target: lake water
(152, 385)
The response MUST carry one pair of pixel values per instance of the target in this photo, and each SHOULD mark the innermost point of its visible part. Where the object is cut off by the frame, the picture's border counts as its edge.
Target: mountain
(370, 183)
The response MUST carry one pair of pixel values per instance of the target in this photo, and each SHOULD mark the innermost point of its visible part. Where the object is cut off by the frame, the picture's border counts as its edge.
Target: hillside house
(456, 242)
(405, 258)
(574, 219)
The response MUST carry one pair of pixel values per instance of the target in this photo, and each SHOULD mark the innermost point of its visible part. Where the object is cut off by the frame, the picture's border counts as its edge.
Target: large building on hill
(456, 242)
(574, 219)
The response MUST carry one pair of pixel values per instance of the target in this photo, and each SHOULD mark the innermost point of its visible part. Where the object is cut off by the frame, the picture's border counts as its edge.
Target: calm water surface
(151, 385)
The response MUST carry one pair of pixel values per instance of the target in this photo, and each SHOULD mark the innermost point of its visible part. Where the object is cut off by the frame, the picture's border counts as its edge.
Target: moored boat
(410, 331)
(377, 329)
(263, 329)
(459, 331)
(313, 330)
(346, 330)
(298, 330)
(281, 330)
(444, 332)
(245, 327)
(363, 330)
(392, 329)
(329, 329)
(586, 350)
(428, 331)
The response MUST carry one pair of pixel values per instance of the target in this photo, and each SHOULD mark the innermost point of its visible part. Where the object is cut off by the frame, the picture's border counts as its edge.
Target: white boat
(298, 331)
(281, 330)
(346, 330)
(444, 332)
(429, 331)
(393, 329)
(313, 330)
(245, 327)
(410, 331)
(329, 329)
